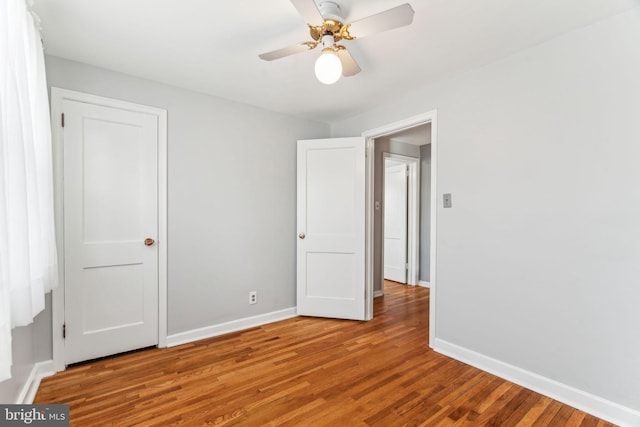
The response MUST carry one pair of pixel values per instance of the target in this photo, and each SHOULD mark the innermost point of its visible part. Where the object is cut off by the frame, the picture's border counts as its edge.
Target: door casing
(371, 135)
(57, 296)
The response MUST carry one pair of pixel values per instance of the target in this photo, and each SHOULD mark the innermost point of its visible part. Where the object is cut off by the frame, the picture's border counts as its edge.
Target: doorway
(374, 276)
(400, 246)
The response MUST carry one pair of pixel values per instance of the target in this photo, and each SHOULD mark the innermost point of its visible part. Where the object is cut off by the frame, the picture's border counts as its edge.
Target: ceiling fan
(335, 59)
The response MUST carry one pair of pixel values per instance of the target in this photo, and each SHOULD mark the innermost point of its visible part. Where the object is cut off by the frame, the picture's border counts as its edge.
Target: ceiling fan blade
(349, 65)
(285, 51)
(309, 11)
(389, 19)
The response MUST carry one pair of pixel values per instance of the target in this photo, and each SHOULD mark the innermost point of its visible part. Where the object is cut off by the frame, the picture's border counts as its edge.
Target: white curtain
(28, 263)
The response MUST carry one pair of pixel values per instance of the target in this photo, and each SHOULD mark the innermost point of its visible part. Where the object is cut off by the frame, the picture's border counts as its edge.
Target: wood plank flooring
(305, 372)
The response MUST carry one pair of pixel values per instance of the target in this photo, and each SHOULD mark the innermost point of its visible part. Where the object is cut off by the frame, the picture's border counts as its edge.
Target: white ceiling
(418, 135)
(212, 46)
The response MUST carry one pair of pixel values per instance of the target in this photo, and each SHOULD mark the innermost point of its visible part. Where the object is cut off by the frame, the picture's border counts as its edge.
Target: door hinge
(64, 330)
(62, 120)
(406, 266)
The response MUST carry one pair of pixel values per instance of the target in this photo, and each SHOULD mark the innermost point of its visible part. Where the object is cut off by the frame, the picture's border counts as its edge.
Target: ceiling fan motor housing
(330, 11)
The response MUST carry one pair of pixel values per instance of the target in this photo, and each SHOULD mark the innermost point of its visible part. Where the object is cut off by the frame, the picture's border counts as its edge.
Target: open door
(331, 228)
(395, 221)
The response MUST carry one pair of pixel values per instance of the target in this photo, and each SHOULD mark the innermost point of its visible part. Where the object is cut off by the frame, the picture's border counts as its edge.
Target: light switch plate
(446, 200)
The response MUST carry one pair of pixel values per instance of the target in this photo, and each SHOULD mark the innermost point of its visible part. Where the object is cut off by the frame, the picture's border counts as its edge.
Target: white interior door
(331, 227)
(110, 208)
(395, 222)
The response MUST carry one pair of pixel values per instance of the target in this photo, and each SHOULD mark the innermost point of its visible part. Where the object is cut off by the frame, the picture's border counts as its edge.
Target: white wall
(24, 359)
(538, 261)
(232, 183)
(29, 346)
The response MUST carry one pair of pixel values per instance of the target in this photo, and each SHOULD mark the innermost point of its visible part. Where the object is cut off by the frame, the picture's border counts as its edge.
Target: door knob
(301, 235)
(149, 241)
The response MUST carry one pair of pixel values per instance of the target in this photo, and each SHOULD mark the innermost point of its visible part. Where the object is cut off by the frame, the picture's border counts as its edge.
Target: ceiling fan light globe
(328, 68)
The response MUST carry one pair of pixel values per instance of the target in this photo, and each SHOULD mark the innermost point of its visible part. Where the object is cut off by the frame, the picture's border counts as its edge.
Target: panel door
(395, 223)
(110, 208)
(331, 228)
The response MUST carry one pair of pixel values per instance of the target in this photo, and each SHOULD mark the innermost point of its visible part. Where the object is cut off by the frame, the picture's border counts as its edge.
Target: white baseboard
(424, 284)
(592, 404)
(377, 294)
(233, 326)
(39, 371)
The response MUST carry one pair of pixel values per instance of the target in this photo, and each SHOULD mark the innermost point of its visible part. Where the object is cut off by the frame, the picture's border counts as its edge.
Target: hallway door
(395, 221)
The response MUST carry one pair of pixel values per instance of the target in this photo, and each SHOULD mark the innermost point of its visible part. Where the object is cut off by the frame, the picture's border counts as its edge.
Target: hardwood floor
(305, 372)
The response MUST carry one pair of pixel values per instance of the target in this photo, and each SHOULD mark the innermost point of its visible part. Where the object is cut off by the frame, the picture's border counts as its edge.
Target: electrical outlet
(253, 297)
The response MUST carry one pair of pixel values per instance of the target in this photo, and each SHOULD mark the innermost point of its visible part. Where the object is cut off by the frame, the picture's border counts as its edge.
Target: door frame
(371, 135)
(413, 215)
(58, 96)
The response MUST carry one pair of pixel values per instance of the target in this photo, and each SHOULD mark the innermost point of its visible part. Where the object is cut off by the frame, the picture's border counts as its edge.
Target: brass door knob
(301, 235)
(149, 241)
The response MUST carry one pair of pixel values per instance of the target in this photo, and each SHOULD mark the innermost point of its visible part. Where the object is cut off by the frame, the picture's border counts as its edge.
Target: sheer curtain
(28, 264)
